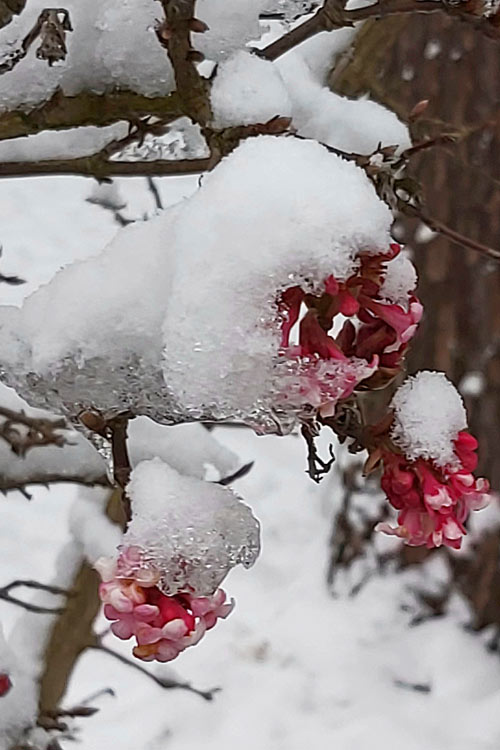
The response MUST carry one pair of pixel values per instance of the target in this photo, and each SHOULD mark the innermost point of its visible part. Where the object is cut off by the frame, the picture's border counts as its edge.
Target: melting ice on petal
(192, 532)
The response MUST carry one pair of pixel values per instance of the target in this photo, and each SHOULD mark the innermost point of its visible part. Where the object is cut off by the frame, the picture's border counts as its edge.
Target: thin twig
(459, 239)
(10, 485)
(245, 469)
(6, 596)
(163, 682)
(22, 432)
(153, 187)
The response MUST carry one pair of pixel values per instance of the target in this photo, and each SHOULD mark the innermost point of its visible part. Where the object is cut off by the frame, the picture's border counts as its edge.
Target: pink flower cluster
(371, 342)
(5, 684)
(163, 626)
(434, 502)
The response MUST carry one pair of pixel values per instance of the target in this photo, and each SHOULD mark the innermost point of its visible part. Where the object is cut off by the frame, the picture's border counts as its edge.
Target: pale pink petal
(145, 634)
(122, 629)
(174, 629)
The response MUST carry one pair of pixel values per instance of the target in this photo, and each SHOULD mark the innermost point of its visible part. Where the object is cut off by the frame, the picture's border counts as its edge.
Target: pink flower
(433, 502)
(5, 684)
(371, 341)
(163, 626)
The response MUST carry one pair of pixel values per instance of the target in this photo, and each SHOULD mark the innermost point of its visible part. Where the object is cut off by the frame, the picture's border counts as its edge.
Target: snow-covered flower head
(428, 472)
(184, 537)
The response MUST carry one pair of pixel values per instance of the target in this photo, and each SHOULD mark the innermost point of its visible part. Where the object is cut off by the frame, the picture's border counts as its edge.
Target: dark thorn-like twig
(5, 595)
(242, 472)
(163, 682)
(316, 467)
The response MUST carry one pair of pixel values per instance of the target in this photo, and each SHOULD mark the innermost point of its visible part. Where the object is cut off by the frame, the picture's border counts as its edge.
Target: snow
(89, 525)
(248, 90)
(352, 125)
(400, 279)
(171, 355)
(429, 414)
(231, 26)
(472, 384)
(190, 449)
(61, 144)
(192, 531)
(102, 53)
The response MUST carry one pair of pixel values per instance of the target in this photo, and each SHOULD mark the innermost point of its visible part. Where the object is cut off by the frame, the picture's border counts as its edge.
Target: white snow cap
(231, 25)
(194, 532)
(429, 414)
(400, 279)
(357, 125)
(246, 90)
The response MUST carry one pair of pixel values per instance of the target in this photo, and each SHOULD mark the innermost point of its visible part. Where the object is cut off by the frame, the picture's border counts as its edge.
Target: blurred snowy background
(351, 664)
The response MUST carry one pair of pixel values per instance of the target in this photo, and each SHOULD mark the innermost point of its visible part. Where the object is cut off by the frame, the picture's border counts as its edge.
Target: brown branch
(163, 682)
(97, 166)
(332, 15)
(62, 112)
(10, 485)
(174, 34)
(22, 432)
(121, 462)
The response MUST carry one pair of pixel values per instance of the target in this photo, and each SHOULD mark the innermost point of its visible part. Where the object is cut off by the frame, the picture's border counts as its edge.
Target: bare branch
(332, 15)
(6, 596)
(11, 485)
(153, 187)
(22, 432)
(163, 682)
(97, 166)
(459, 239)
(174, 34)
(62, 112)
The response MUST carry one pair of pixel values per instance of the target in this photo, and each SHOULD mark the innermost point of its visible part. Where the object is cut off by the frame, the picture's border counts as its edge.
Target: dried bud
(93, 421)
(195, 56)
(418, 109)
(278, 125)
(197, 26)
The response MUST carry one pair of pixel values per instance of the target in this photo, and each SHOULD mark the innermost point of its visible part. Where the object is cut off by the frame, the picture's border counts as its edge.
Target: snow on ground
(296, 665)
